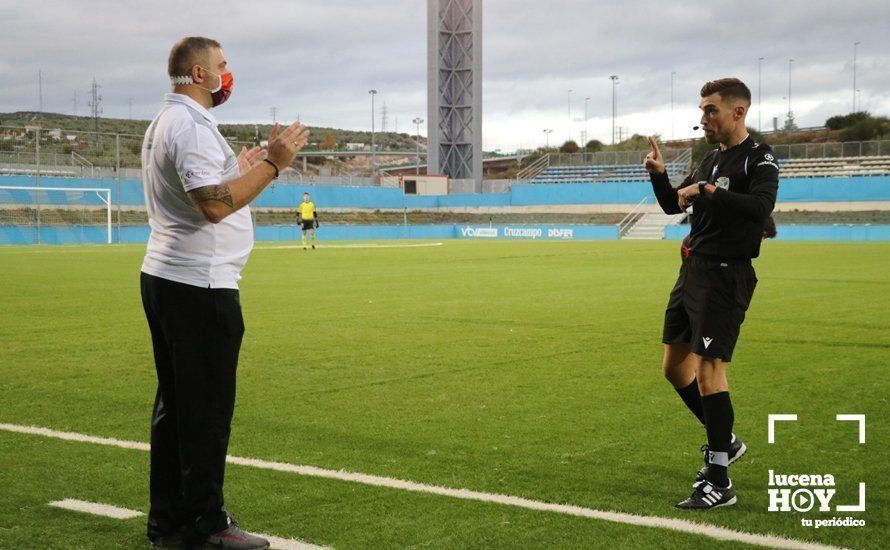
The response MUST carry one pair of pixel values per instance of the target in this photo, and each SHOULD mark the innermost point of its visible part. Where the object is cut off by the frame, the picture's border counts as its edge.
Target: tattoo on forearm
(219, 193)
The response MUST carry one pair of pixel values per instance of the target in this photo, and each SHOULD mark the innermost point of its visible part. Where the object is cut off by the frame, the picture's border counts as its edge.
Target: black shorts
(708, 304)
(308, 224)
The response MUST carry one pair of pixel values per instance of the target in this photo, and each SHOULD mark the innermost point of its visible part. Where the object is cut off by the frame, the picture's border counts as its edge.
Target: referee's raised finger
(654, 145)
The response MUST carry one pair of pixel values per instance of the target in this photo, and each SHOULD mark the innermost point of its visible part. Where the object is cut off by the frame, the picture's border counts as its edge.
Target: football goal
(55, 215)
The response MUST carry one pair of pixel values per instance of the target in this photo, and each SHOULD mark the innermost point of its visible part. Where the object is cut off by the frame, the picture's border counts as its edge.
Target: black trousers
(196, 335)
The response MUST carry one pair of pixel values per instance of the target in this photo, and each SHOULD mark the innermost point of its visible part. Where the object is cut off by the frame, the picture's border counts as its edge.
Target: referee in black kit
(733, 191)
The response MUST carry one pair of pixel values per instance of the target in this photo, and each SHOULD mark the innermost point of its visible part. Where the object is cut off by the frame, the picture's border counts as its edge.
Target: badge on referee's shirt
(723, 182)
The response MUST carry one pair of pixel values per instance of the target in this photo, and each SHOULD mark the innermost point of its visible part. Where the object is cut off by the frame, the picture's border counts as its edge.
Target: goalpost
(55, 215)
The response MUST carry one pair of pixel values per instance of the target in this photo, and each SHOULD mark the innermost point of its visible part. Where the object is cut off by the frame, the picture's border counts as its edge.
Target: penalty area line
(672, 524)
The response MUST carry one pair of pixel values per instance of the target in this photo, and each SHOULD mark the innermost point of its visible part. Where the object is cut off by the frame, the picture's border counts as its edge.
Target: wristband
(273, 165)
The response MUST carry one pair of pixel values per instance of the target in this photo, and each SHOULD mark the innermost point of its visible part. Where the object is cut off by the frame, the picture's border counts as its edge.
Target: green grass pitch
(522, 368)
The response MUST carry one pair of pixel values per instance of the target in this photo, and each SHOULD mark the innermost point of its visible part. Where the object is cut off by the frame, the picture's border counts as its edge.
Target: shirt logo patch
(196, 173)
(707, 342)
(723, 182)
(769, 157)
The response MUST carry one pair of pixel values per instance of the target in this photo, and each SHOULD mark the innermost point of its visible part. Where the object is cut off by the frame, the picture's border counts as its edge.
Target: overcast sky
(319, 58)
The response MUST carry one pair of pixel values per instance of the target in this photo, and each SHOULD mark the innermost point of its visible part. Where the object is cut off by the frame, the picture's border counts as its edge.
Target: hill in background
(236, 132)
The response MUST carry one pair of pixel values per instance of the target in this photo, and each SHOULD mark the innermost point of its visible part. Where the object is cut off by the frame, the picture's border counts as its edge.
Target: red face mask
(226, 83)
(221, 93)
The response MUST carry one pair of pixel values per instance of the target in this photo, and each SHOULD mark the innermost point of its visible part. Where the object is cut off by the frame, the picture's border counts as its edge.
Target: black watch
(701, 188)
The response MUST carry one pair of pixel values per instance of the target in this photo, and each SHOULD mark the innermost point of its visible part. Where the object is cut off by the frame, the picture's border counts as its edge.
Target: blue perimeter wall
(23, 235)
(18, 235)
(870, 188)
(287, 195)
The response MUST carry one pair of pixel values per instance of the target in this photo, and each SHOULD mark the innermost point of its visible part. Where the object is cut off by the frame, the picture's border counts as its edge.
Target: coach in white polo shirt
(196, 193)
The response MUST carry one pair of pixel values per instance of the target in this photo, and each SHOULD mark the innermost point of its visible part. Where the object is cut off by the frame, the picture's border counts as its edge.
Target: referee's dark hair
(728, 88)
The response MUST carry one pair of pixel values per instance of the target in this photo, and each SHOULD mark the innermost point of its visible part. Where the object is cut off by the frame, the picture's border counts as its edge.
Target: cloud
(319, 59)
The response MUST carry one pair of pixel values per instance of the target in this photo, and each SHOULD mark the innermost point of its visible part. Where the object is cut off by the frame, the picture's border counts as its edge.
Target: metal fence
(34, 151)
(848, 149)
(611, 157)
(40, 151)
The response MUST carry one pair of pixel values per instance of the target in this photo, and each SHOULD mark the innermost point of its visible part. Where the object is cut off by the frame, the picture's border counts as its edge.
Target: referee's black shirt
(730, 224)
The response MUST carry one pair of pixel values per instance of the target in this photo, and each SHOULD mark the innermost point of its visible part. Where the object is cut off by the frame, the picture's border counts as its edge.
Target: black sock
(692, 398)
(718, 423)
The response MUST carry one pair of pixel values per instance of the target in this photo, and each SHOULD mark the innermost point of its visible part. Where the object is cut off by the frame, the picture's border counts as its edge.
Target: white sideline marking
(277, 543)
(95, 508)
(117, 512)
(369, 245)
(682, 525)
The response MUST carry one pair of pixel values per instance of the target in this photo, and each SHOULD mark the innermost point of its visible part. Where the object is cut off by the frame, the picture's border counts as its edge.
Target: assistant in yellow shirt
(306, 210)
(307, 218)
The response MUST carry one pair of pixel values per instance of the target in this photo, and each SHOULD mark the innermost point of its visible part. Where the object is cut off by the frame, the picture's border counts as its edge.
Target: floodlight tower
(454, 88)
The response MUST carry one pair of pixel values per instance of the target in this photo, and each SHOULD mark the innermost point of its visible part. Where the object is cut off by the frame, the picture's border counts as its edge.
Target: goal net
(54, 215)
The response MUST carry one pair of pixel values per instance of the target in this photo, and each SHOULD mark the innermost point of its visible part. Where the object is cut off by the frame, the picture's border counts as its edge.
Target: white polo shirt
(183, 150)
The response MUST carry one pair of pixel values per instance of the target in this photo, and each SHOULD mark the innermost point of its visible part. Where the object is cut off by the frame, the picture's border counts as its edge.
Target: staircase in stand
(651, 225)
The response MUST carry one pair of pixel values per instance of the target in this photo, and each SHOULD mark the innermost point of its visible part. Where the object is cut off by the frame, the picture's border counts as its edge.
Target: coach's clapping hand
(248, 158)
(654, 163)
(284, 147)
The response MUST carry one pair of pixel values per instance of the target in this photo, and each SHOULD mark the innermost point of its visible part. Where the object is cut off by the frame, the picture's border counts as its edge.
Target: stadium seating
(599, 172)
(835, 167)
(33, 172)
(791, 168)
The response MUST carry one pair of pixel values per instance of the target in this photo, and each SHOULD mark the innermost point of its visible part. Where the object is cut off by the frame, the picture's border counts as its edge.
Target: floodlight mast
(454, 89)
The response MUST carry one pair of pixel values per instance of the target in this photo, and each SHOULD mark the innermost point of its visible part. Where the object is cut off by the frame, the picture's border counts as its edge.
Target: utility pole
(95, 104)
(547, 132)
(417, 122)
(673, 76)
(373, 144)
(37, 180)
(585, 139)
(75, 103)
(759, 89)
(855, 46)
(570, 116)
(130, 107)
(40, 91)
(384, 118)
(614, 79)
(790, 116)
(274, 112)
